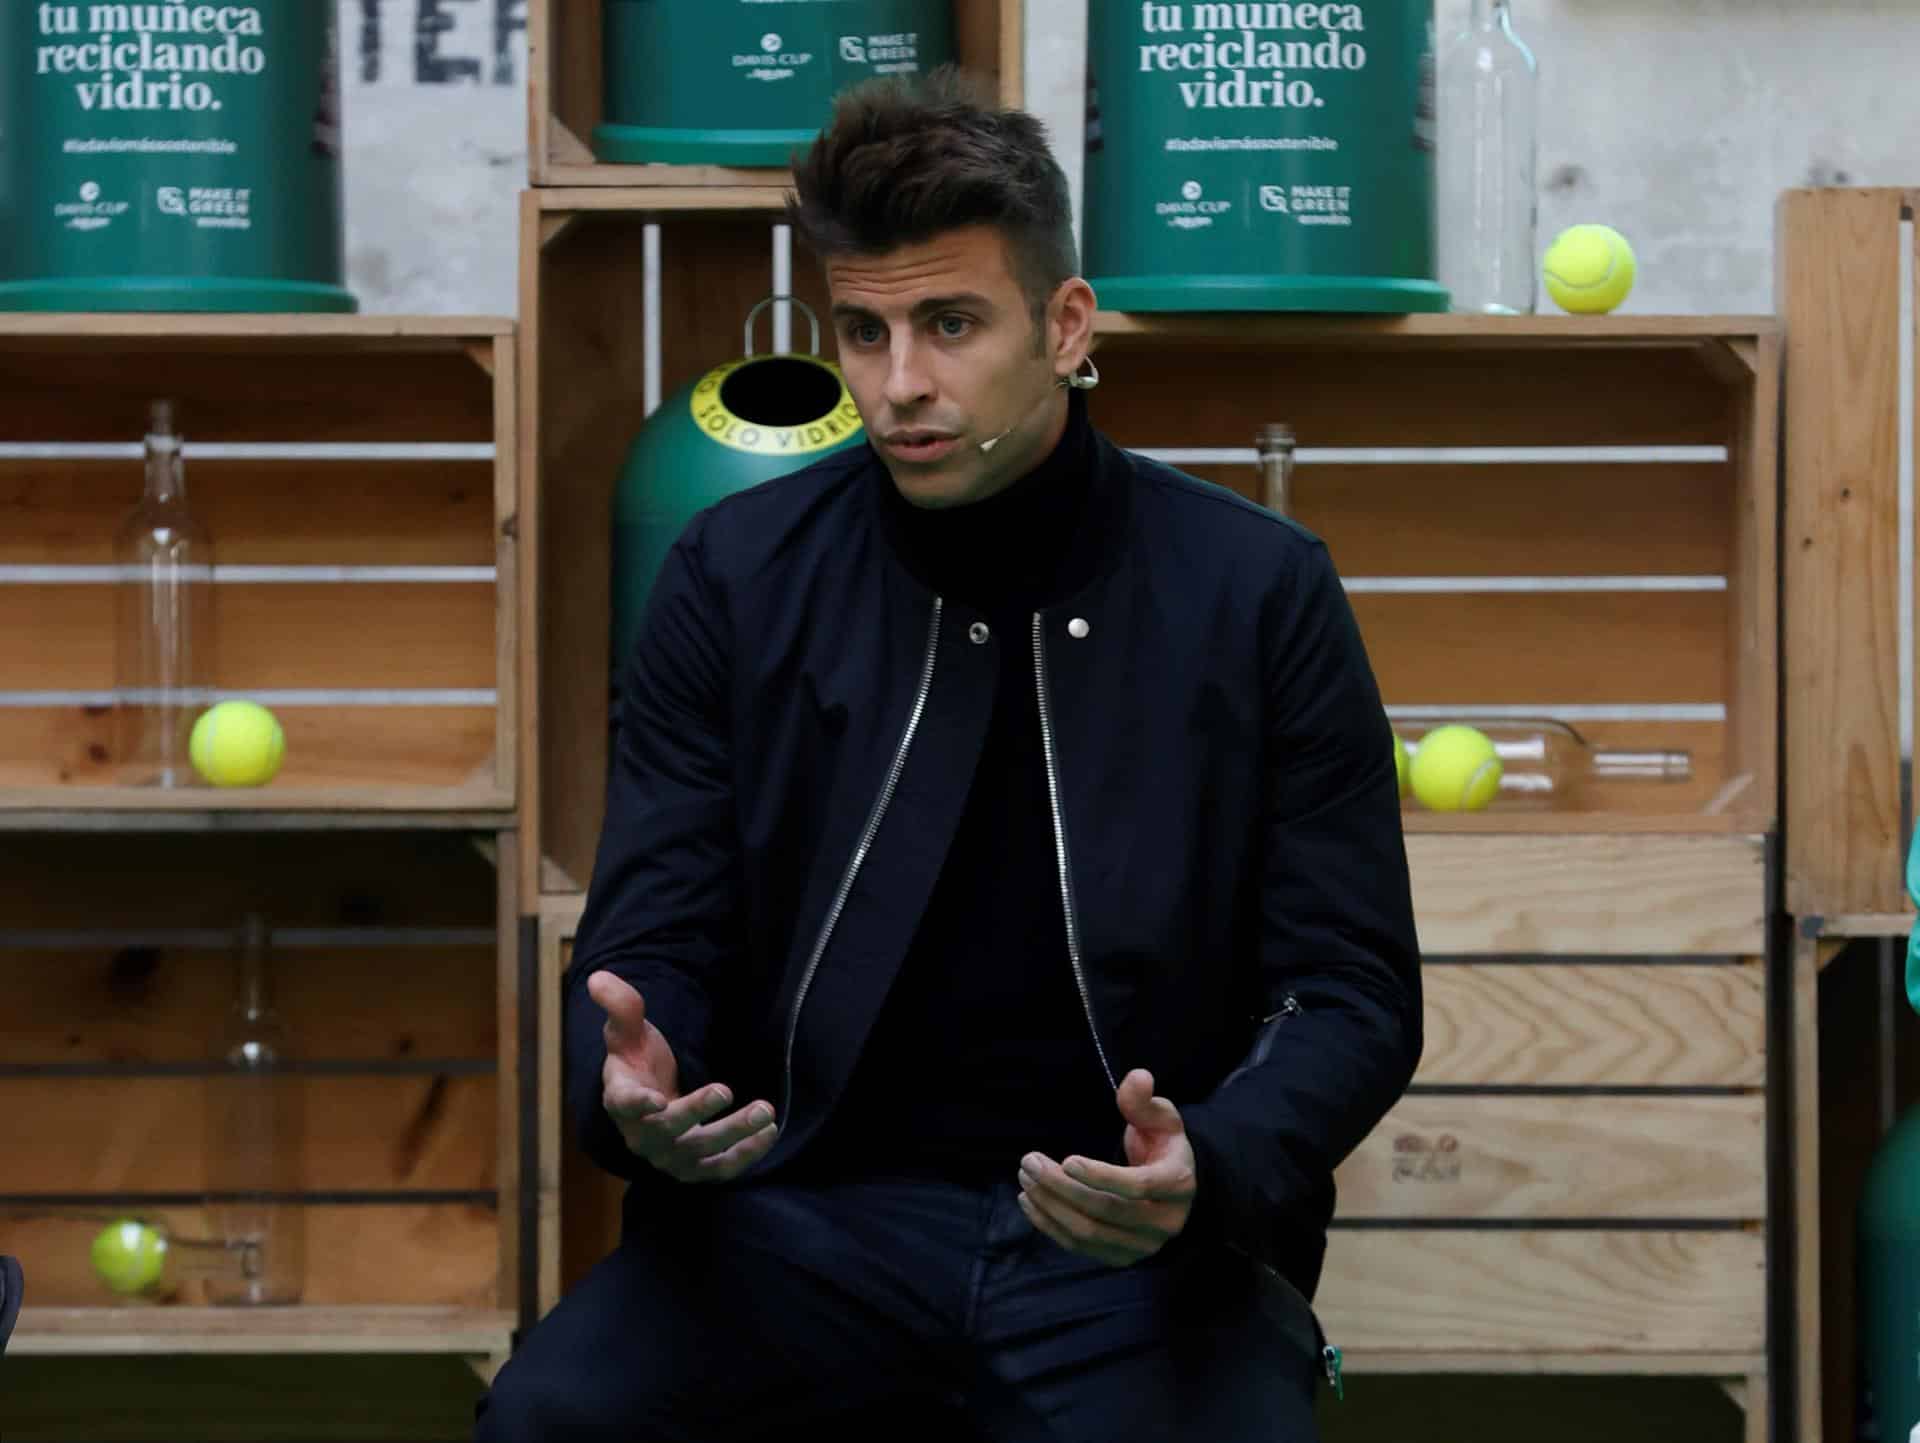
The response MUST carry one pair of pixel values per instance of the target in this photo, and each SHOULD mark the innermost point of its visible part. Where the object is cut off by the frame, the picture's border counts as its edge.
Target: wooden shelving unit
(1570, 516)
(358, 476)
(123, 1332)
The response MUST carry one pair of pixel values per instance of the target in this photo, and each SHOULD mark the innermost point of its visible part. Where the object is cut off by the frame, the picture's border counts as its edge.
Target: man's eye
(864, 333)
(953, 327)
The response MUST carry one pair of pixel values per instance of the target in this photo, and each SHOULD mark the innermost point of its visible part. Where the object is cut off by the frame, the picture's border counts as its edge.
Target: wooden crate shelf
(69, 1332)
(357, 475)
(1596, 410)
(564, 98)
(397, 976)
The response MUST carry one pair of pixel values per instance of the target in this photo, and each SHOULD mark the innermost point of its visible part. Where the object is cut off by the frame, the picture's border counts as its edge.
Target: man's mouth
(920, 445)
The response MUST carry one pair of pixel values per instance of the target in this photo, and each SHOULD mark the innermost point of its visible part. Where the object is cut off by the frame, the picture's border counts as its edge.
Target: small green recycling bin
(747, 82)
(743, 422)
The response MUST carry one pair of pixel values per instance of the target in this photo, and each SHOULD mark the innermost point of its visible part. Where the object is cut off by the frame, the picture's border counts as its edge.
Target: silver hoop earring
(1085, 382)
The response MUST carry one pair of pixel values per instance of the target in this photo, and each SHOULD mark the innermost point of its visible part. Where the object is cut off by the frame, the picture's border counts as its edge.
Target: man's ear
(1070, 325)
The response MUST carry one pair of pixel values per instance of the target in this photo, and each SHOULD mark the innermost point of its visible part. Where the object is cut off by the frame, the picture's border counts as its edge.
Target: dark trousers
(930, 1310)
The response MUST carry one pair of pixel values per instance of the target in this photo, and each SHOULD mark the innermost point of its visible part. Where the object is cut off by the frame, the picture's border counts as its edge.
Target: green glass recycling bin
(748, 82)
(1262, 157)
(174, 156)
(742, 423)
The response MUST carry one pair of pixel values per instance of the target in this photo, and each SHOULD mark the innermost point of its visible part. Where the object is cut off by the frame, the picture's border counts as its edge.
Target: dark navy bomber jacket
(798, 728)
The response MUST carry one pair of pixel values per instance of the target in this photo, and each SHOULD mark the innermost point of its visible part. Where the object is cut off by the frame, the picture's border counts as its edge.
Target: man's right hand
(685, 1137)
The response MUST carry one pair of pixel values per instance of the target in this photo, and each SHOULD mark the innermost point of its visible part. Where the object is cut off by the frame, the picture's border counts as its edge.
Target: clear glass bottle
(163, 652)
(1487, 200)
(253, 1143)
(1546, 765)
(1275, 447)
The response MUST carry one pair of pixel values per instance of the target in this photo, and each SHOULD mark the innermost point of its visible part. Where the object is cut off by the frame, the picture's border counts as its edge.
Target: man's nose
(908, 381)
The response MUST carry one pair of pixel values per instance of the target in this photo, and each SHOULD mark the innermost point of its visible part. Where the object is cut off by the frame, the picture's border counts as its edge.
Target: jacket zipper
(880, 804)
(1060, 844)
(1289, 1007)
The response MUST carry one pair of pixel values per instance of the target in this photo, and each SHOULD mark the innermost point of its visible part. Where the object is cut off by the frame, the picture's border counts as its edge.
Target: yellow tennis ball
(237, 744)
(1400, 762)
(129, 1256)
(1455, 769)
(1588, 269)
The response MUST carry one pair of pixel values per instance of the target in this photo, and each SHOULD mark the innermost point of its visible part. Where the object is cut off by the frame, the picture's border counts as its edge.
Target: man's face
(939, 349)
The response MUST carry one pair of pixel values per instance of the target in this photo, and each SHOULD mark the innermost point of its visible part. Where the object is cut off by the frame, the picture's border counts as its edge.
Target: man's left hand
(1118, 1215)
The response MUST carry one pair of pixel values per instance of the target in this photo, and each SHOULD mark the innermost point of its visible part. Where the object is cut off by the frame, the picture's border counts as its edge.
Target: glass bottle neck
(1488, 13)
(253, 997)
(166, 475)
(1647, 766)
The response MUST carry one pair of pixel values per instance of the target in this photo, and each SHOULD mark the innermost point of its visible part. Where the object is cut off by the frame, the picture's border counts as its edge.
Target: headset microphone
(990, 443)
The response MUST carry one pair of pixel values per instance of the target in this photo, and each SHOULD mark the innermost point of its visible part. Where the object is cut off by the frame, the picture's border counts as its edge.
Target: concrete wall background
(1679, 121)
(433, 96)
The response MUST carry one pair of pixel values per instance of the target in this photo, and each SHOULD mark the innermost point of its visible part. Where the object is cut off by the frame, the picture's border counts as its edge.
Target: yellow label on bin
(717, 423)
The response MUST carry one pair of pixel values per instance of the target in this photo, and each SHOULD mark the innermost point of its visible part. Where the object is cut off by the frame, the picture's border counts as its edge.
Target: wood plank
(586, 314)
(1544, 331)
(1753, 641)
(440, 1254)
(1865, 924)
(1602, 895)
(530, 583)
(327, 747)
(269, 636)
(434, 880)
(1367, 1361)
(1336, 397)
(1810, 1343)
(1566, 647)
(153, 1005)
(95, 811)
(351, 513)
(1839, 263)
(1664, 519)
(575, 66)
(253, 333)
(148, 1134)
(1012, 56)
(1624, 822)
(101, 1332)
(1604, 1292)
(506, 561)
(1576, 1025)
(555, 954)
(509, 1157)
(590, 1199)
(980, 30)
(542, 60)
(1479, 1156)
(246, 389)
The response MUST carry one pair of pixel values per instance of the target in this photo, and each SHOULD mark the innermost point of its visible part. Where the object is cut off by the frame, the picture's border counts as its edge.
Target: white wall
(1679, 121)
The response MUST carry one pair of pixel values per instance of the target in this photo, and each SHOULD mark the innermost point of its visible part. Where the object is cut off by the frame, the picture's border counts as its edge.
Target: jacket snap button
(978, 633)
(1078, 628)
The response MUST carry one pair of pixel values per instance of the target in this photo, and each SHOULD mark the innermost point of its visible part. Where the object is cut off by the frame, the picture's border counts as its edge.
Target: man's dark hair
(905, 160)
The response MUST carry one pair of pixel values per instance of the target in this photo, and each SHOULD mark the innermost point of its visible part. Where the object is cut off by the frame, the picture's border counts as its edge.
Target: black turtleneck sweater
(982, 1051)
